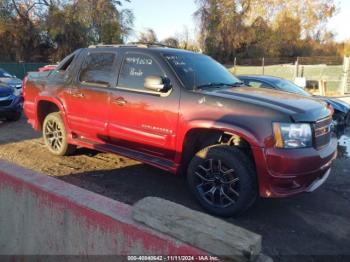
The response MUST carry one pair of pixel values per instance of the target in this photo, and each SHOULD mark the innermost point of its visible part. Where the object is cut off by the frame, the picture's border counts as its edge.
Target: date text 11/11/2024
(173, 258)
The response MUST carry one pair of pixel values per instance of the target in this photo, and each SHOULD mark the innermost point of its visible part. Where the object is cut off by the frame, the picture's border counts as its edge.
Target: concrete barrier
(41, 215)
(198, 229)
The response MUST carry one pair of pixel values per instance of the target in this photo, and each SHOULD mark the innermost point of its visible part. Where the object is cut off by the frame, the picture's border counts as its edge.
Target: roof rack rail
(150, 44)
(132, 44)
(103, 45)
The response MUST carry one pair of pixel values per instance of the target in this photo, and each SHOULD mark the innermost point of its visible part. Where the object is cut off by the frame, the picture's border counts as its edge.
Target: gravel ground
(308, 227)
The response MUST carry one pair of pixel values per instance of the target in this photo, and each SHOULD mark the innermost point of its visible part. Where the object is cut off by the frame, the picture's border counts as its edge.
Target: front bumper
(319, 182)
(14, 107)
(287, 172)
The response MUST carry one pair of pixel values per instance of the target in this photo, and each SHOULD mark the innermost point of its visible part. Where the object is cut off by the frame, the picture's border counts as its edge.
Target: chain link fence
(329, 70)
(21, 69)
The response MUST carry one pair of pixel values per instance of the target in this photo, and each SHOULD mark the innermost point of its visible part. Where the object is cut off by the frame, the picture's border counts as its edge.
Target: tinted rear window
(98, 69)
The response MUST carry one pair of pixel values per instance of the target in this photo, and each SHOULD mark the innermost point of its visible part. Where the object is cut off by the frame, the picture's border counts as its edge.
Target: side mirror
(157, 83)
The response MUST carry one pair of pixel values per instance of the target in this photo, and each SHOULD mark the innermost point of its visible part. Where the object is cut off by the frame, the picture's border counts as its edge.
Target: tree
(171, 41)
(250, 28)
(20, 30)
(222, 31)
(149, 36)
(346, 51)
(261, 35)
(34, 30)
(184, 38)
(66, 31)
(313, 14)
(286, 34)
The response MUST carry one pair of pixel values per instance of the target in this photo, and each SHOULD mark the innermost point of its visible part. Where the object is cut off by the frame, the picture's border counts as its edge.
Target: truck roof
(146, 46)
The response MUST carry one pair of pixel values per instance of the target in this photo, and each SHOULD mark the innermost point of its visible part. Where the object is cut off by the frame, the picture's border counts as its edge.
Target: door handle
(119, 101)
(76, 94)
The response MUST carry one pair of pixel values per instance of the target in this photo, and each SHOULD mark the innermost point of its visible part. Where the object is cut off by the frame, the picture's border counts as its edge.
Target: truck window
(135, 68)
(63, 66)
(66, 65)
(98, 69)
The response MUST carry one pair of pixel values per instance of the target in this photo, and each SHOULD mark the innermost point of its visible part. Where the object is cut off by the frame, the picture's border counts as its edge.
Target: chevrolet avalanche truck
(185, 113)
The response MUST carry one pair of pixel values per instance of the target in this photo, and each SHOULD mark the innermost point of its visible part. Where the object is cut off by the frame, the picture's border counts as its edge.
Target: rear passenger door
(89, 96)
(140, 119)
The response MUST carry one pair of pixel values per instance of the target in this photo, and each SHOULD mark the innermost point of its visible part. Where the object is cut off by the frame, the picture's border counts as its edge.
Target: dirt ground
(308, 227)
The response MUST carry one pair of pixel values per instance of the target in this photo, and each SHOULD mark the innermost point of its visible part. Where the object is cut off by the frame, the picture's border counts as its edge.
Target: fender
(212, 125)
(55, 100)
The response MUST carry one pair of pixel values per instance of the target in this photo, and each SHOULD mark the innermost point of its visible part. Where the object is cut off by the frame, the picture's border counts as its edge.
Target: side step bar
(164, 164)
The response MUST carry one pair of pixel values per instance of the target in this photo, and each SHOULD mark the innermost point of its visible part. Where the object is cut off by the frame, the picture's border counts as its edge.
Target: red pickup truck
(185, 113)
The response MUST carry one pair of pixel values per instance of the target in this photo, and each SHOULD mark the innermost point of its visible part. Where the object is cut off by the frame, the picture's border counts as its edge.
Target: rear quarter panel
(35, 90)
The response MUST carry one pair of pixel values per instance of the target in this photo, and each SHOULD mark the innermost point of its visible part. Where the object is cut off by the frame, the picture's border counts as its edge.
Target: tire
(229, 186)
(14, 117)
(55, 135)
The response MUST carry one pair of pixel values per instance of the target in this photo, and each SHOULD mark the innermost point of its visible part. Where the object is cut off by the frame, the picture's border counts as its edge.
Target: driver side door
(138, 118)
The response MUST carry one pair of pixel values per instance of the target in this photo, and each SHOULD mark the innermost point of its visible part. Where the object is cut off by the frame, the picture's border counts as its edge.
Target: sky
(340, 23)
(169, 17)
(166, 17)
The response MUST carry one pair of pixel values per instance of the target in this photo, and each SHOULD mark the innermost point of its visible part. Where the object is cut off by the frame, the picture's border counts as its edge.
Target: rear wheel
(223, 180)
(55, 135)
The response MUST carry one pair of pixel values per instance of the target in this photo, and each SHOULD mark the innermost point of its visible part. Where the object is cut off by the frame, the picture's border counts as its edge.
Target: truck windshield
(199, 71)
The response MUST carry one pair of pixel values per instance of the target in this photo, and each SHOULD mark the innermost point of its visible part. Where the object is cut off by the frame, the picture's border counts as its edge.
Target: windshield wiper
(237, 84)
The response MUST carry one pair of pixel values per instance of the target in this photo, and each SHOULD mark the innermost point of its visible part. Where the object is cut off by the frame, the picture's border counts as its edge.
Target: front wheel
(55, 135)
(223, 180)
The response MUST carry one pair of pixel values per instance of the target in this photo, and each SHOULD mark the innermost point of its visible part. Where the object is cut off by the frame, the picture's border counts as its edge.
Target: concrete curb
(217, 237)
(40, 215)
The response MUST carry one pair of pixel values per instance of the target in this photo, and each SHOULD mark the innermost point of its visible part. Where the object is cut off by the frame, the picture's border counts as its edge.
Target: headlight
(288, 135)
(16, 92)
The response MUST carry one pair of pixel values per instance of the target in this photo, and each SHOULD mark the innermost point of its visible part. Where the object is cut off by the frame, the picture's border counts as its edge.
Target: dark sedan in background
(11, 103)
(341, 116)
(6, 79)
(11, 99)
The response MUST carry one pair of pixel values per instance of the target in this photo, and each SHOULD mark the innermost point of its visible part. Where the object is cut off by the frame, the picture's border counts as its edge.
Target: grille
(5, 103)
(323, 132)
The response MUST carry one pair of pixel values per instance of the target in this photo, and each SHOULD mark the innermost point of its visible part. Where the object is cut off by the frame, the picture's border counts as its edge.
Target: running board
(164, 164)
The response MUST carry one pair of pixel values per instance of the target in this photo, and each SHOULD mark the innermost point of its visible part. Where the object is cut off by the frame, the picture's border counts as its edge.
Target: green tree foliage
(312, 14)
(271, 28)
(39, 30)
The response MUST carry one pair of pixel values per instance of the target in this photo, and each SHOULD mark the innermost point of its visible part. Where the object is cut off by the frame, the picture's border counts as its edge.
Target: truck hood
(299, 108)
